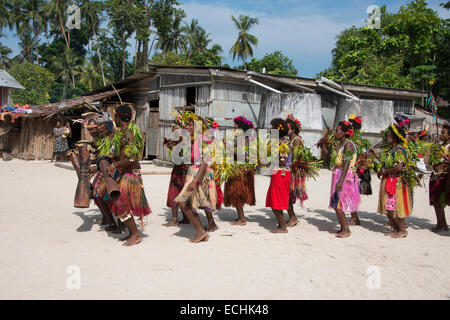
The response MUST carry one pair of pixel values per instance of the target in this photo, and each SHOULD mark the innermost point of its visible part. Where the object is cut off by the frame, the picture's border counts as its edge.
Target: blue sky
(304, 30)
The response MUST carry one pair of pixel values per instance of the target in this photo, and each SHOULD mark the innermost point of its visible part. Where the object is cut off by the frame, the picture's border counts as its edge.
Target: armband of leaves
(348, 155)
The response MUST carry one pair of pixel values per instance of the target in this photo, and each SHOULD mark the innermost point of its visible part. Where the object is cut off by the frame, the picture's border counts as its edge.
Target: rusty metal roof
(53, 108)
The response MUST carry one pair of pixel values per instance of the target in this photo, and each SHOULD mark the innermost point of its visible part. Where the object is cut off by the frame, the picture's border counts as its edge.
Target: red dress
(279, 190)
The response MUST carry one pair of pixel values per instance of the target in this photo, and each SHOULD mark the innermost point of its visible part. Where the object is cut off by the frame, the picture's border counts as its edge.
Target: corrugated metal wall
(168, 100)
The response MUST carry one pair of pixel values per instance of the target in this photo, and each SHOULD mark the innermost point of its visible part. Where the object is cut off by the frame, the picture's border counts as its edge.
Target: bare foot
(198, 238)
(211, 227)
(171, 223)
(239, 222)
(133, 240)
(343, 234)
(438, 229)
(279, 230)
(399, 234)
(354, 222)
(111, 227)
(389, 234)
(291, 222)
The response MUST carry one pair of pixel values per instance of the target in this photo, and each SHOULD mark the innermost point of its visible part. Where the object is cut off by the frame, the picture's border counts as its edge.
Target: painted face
(390, 138)
(102, 130)
(190, 127)
(444, 135)
(338, 133)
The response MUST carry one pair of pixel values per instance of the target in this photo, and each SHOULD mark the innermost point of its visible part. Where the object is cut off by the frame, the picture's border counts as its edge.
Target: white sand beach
(42, 235)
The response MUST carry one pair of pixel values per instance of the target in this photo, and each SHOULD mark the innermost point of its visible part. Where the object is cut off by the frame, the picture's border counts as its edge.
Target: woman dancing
(279, 189)
(298, 180)
(395, 193)
(240, 188)
(128, 145)
(344, 195)
(440, 181)
(363, 171)
(177, 180)
(199, 191)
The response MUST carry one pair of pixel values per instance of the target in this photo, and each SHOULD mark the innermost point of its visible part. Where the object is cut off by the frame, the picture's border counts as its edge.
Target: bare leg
(211, 226)
(241, 221)
(134, 237)
(392, 222)
(174, 220)
(440, 217)
(401, 233)
(282, 228)
(195, 221)
(344, 232)
(185, 220)
(53, 158)
(354, 221)
(292, 218)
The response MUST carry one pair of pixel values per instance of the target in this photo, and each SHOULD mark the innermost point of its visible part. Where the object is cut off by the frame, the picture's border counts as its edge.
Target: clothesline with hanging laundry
(13, 112)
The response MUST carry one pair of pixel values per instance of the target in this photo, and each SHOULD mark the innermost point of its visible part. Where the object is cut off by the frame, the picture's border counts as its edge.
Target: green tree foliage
(409, 51)
(274, 63)
(37, 81)
(170, 58)
(243, 47)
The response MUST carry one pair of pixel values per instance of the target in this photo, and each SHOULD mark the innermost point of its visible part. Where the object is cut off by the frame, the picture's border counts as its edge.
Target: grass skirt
(204, 195)
(132, 197)
(176, 184)
(437, 189)
(278, 194)
(240, 190)
(298, 188)
(348, 198)
(401, 200)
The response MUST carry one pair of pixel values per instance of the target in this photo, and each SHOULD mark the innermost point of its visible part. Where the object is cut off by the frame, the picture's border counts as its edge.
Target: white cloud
(307, 39)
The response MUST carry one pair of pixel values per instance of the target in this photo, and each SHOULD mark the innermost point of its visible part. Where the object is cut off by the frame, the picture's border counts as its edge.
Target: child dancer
(344, 195)
(278, 194)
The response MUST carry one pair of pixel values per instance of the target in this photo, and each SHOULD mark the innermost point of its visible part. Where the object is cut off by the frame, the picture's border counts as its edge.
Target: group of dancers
(197, 186)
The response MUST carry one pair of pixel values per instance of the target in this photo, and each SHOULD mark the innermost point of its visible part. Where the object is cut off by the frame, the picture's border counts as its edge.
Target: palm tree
(90, 76)
(5, 15)
(173, 40)
(196, 38)
(26, 44)
(92, 12)
(4, 52)
(243, 45)
(35, 14)
(55, 11)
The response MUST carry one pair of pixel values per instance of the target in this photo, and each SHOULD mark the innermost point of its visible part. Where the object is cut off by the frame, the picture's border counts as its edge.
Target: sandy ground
(42, 235)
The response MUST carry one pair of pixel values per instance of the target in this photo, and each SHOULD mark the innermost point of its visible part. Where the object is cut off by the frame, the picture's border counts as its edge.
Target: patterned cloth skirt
(278, 194)
(437, 189)
(60, 145)
(132, 199)
(176, 184)
(348, 198)
(240, 190)
(204, 195)
(399, 201)
(298, 188)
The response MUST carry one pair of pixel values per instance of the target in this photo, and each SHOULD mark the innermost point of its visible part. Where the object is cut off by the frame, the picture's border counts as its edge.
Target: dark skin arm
(395, 170)
(347, 147)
